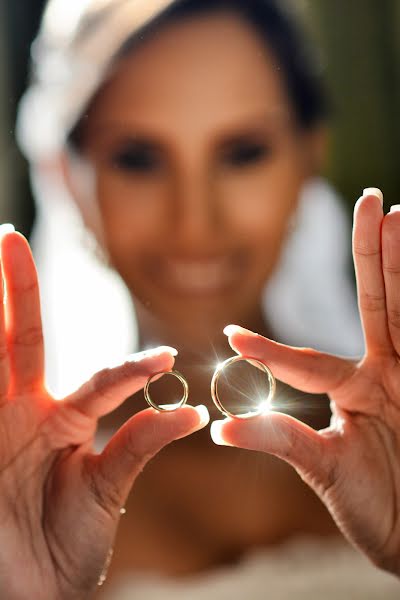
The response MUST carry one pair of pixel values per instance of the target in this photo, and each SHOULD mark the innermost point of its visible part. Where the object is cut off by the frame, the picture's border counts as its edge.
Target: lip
(200, 277)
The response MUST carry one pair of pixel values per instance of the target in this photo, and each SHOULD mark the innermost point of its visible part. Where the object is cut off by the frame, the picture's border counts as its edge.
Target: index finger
(108, 388)
(303, 368)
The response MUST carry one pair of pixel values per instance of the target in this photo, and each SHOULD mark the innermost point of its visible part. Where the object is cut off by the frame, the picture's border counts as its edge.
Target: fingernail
(170, 349)
(231, 329)
(372, 191)
(203, 413)
(6, 228)
(152, 352)
(395, 208)
(216, 433)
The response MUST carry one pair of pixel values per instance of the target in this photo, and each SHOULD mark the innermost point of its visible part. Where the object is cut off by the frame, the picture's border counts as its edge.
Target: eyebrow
(131, 131)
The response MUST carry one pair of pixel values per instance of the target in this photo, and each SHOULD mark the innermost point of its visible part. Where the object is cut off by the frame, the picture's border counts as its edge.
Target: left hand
(354, 465)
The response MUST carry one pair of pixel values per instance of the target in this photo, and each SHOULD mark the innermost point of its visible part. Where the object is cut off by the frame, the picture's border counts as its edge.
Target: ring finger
(391, 270)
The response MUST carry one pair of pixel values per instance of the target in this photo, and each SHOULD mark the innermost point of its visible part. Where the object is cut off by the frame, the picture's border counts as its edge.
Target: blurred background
(360, 49)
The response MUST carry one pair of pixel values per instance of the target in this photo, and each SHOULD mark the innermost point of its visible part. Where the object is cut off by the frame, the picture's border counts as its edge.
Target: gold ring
(164, 407)
(263, 406)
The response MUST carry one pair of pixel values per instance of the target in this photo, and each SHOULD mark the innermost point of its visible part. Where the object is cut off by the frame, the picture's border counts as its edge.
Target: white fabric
(86, 309)
(87, 312)
(69, 67)
(305, 569)
(310, 300)
(71, 56)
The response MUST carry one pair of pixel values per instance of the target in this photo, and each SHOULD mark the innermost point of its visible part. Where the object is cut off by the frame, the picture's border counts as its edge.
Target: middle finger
(368, 215)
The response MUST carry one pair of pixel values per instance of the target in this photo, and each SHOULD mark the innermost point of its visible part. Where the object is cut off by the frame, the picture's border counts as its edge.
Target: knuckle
(33, 336)
(324, 477)
(394, 318)
(136, 453)
(366, 251)
(332, 475)
(372, 303)
(102, 381)
(311, 353)
(329, 482)
(289, 449)
(71, 426)
(136, 460)
(23, 287)
(392, 269)
(105, 382)
(128, 369)
(106, 495)
(107, 378)
(3, 352)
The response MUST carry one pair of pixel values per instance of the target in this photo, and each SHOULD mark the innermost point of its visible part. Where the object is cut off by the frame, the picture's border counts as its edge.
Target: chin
(198, 318)
(201, 325)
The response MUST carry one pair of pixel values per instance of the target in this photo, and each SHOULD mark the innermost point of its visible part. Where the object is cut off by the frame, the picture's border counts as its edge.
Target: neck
(192, 340)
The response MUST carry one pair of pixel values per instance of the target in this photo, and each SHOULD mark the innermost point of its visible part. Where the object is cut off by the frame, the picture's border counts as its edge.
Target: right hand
(353, 465)
(60, 501)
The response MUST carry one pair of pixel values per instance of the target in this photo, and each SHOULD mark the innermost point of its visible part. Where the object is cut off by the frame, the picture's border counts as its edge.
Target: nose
(195, 216)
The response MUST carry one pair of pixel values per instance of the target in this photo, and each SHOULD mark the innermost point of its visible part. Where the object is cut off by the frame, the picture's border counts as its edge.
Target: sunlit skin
(354, 464)
(52, 483)
(197, 505)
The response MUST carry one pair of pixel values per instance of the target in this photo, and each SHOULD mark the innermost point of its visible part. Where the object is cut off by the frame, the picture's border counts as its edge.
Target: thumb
(285, 437)
(114, 471)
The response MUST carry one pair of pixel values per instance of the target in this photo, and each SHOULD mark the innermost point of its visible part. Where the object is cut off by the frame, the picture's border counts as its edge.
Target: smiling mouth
(200, 277)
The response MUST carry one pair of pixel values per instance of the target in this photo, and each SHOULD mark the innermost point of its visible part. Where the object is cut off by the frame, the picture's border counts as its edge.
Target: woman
(185, 160)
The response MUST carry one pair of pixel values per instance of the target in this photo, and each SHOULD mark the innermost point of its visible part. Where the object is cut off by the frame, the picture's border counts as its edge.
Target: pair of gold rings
(262, 406)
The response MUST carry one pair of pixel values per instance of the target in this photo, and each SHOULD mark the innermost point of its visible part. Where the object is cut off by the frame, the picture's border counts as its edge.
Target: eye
(139, 157)
(244, 153)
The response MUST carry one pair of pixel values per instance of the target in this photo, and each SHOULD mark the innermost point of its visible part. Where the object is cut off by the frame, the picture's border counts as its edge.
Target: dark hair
(281, 33)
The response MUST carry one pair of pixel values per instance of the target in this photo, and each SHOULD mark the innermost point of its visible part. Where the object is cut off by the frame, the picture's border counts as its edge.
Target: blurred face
(198, 164)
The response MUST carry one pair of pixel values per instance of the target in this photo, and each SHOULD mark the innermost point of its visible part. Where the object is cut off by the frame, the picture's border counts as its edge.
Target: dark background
(360, 43)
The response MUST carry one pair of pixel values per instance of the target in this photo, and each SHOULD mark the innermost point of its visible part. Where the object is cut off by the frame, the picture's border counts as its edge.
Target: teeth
(198, 276)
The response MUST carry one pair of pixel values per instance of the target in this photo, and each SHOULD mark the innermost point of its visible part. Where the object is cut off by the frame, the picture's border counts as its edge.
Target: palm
(59, 501)
(363, 445)
(40, 515)
(354, 464)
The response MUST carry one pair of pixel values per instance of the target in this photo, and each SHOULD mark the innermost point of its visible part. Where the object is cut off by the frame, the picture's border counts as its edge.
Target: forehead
(196, 72)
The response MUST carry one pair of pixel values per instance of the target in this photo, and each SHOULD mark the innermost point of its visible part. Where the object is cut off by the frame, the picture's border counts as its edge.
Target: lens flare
(263, 404)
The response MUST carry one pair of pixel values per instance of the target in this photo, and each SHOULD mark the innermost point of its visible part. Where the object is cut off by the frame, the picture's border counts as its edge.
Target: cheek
(132, 213)
(260, 202)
